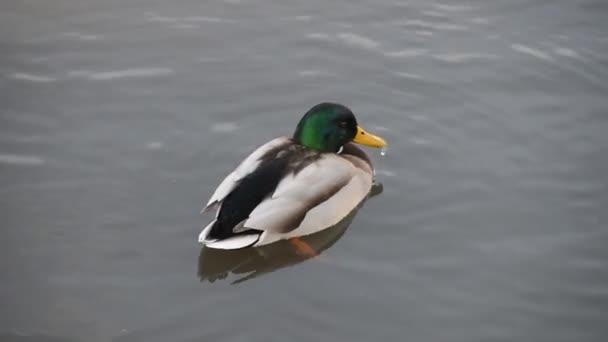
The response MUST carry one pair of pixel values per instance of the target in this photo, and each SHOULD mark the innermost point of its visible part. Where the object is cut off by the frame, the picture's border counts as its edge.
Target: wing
(246, 167)
(331, 180)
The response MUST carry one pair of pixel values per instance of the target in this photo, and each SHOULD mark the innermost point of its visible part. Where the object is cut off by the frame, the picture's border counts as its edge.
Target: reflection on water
(248, 263)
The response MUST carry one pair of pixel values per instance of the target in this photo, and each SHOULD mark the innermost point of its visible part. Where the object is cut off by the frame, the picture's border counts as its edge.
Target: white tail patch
(202, 237)
(235, 242)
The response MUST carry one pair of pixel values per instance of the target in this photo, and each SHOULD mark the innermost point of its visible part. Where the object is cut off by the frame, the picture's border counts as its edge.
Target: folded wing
(247, 166)
(332, 181)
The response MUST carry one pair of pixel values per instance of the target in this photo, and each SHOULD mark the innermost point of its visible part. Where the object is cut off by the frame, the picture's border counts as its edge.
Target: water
(119, 118)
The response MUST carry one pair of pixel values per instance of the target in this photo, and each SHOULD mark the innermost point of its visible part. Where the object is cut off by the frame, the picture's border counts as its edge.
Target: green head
(327, 127)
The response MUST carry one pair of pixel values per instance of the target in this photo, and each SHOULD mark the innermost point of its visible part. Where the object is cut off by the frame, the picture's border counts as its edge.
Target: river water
(118, 118)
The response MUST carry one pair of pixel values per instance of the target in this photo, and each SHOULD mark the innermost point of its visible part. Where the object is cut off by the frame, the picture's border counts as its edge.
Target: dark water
(119, 118)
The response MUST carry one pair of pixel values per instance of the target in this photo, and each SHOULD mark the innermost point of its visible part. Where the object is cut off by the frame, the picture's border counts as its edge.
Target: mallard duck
(291, 187)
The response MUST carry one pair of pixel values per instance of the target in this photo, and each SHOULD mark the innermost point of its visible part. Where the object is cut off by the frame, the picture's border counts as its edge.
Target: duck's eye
(342, 124)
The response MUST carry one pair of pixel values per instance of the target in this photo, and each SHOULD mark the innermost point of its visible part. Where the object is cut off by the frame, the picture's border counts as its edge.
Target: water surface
(119, 118)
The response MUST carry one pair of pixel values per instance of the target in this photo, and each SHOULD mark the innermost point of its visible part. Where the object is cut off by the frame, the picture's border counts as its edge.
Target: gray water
(119, 118)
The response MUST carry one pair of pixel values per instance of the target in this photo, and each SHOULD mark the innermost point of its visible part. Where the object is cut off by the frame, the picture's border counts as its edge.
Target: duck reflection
(248, 263)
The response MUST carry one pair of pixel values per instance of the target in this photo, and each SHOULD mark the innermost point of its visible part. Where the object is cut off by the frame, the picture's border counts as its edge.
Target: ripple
(118, 74)
(419, 118)
(185, 26)
(349, 38)
(313, 73)
(565, 52)
(22, 76)
(299, 18)
(434, 14)
(419, 141)
(423, 33)
(408, 75)
(155, 145)
(81, 36)
(385, 173)
(452, 8)
(406, 53)
(224, 127)
(319, 36)
(154, 17)
(463, 57)
(480, 20)
(17, 159)
(379, 128)
(531, 51)
(435, 26)
(354, 39)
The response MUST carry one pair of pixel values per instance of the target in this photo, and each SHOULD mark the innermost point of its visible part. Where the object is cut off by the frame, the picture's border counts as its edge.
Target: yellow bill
(368, 139)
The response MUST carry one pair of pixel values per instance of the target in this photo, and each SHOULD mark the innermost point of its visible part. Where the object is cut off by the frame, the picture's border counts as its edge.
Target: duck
(295, 186)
